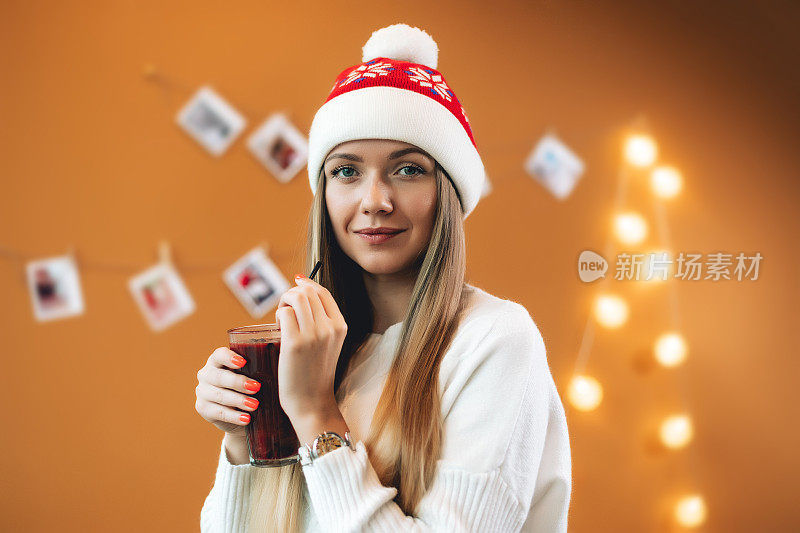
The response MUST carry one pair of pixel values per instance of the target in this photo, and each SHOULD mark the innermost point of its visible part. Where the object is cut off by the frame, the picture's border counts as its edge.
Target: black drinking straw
(316, 267)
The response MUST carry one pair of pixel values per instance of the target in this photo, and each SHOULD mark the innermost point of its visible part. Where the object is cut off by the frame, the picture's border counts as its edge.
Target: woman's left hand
(312, 334)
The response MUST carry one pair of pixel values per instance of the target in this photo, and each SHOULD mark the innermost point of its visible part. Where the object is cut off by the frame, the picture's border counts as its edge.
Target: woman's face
(373, 183)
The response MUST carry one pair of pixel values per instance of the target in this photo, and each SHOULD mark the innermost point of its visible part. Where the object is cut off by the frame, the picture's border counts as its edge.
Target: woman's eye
(335, 172)
(419, 170)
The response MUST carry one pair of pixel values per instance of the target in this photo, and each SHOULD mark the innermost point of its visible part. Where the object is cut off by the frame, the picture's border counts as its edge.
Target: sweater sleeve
(226, 507)
(503, 450)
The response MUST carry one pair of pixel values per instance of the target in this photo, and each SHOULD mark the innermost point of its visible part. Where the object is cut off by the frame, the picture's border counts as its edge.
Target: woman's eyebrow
(351, 157)
(393, 155)
(404, 151)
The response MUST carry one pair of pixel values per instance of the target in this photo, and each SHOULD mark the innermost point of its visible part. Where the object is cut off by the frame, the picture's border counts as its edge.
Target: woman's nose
(377, 196)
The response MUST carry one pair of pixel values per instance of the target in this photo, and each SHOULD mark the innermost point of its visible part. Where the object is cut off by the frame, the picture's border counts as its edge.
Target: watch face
(328, 442)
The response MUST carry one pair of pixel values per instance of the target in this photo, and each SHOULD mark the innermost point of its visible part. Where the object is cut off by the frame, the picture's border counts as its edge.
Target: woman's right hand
(222, 395)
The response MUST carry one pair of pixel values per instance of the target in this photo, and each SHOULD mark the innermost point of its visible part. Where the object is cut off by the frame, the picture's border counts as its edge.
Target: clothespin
(165, 253)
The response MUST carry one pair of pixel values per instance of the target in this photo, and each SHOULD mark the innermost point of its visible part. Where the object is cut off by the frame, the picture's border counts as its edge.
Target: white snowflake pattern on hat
(368, 71)
(426, 78)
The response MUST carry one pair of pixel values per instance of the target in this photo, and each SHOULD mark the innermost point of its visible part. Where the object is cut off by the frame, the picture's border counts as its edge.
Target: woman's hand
(222, 392)
(312, 334)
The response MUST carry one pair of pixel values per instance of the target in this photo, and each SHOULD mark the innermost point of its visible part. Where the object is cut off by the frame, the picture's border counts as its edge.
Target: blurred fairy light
(670, 349)
(690, 511)
(611, 311)
(584, 392)
(640, 150)
(630, 227)
(676, 431)
(666, 182)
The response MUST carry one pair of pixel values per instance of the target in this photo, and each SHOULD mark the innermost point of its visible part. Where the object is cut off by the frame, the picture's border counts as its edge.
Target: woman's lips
(378, 238)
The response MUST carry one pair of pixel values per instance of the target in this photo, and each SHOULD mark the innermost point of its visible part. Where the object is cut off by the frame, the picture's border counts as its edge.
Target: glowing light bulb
(630, 227)
(584, 392)
(676, 431)
(640, 150)
(611, 311)
(690, 511)
(670, 349)
(666, 181)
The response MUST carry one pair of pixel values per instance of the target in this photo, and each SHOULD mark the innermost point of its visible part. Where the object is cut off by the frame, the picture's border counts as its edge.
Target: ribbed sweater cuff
(232, 495)
(344, 489)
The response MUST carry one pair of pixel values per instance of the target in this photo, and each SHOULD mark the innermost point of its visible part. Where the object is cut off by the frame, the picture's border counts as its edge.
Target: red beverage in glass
(271, 438)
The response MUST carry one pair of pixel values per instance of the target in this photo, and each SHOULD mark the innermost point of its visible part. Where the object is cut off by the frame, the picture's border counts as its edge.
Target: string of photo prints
(159, 291)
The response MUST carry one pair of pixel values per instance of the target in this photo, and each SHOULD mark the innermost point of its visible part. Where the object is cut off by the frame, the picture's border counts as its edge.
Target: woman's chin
(377, 267)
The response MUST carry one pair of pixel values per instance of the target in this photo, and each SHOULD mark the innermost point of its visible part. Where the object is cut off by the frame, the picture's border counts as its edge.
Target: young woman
(454, 420)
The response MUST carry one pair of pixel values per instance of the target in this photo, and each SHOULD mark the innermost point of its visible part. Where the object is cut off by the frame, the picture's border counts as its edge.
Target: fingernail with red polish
(252, 385)
(238, 360)
(252, 403)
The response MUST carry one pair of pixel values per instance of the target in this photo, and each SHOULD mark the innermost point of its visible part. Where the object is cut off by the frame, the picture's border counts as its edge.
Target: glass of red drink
(271, 438)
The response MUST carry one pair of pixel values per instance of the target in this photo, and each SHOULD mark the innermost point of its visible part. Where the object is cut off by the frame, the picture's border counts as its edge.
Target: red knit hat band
(386, 72)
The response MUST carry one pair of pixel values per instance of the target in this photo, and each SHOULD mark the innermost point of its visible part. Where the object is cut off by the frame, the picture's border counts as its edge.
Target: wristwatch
(322, 444)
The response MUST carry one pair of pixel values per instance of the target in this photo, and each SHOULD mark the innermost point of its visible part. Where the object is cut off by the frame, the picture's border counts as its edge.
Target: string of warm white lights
(611, 311)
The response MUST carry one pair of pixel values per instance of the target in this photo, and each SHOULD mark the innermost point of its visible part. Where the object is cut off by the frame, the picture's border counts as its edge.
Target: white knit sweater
(505, 463)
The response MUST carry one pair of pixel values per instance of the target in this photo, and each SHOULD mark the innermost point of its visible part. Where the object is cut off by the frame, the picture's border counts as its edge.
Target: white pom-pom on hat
(401, 42)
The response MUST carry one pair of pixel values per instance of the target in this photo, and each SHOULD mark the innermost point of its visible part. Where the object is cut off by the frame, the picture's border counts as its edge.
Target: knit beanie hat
(397, 93)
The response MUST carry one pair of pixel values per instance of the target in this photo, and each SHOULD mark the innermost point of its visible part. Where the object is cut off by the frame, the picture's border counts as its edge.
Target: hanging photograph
(280, 147)
(211, 121)
(55, 288)
(161, 296)
(555, 166)
(256, 281)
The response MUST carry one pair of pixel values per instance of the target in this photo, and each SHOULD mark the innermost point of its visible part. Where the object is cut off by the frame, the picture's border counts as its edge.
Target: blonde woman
(444, 390)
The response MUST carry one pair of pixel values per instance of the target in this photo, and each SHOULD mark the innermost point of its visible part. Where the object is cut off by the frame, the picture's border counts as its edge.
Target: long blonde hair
(405, 436)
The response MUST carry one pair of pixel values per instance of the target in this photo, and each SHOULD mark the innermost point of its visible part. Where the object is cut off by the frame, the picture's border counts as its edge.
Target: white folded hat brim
(402, 115)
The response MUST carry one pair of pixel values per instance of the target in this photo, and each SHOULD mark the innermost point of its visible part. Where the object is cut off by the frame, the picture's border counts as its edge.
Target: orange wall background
(99, 427)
